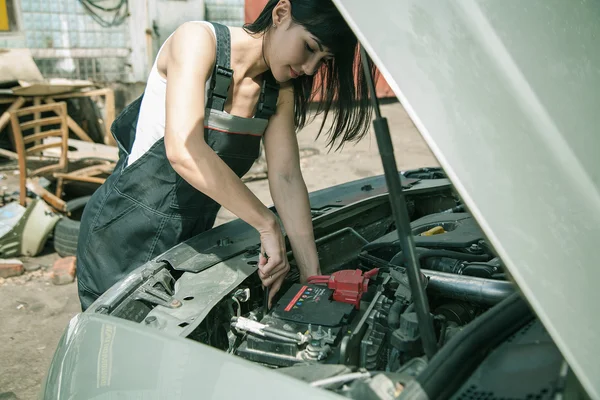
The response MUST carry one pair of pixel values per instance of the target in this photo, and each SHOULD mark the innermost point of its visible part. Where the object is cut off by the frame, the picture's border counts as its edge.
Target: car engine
(363, 317)
(354, 329)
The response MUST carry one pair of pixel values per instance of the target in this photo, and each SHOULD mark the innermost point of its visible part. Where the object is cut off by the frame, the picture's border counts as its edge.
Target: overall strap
(222, 74)
(269, 93)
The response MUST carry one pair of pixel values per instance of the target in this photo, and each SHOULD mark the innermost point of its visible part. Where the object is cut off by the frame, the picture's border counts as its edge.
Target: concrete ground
(34, 312)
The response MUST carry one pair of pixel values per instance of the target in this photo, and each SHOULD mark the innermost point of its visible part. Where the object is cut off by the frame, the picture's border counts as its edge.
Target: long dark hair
(342, 85)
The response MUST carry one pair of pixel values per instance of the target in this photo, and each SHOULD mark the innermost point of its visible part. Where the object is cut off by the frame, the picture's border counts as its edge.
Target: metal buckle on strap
(219, 88)
(267, 105)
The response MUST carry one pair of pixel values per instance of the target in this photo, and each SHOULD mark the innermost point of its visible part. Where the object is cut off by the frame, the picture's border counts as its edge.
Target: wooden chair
(35, 143)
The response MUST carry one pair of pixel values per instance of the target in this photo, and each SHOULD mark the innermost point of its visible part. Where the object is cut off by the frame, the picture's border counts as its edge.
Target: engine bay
(353, 330)
(365, 317)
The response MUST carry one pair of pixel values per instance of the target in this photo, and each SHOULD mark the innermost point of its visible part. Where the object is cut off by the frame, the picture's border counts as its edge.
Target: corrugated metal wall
(227, 12)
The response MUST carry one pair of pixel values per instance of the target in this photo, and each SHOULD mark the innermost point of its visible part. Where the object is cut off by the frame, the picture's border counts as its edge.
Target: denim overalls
(146, 208)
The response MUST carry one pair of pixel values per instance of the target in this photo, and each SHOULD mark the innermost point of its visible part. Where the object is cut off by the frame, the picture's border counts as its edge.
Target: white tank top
(151, 121)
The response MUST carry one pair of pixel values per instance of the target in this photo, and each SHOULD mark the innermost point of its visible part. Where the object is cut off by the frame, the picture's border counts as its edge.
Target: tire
(66, 231)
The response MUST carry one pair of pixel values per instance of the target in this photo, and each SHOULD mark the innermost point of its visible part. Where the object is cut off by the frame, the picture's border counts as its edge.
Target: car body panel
(103, 357)
(215, 245)
(506, 95)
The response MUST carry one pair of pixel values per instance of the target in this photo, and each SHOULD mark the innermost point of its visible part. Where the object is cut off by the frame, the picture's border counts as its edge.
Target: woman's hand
(273, 264)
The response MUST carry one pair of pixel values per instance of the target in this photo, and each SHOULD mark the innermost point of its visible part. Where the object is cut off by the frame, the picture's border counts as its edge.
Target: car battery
(311, 304)
(304, 308)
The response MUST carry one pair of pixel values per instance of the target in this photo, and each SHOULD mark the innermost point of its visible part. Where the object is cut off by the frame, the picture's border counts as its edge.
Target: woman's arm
(191, 55)
(287, 185)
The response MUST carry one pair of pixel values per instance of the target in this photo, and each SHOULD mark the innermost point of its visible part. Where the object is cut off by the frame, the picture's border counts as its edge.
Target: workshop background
(76, 39)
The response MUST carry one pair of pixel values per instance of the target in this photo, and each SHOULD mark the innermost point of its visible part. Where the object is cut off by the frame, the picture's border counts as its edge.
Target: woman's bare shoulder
(192, 44)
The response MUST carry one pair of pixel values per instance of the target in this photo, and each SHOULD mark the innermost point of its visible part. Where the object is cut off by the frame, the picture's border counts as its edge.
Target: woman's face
(291, 50)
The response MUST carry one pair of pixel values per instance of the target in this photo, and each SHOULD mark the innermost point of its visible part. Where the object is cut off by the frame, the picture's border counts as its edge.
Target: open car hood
(506, 95)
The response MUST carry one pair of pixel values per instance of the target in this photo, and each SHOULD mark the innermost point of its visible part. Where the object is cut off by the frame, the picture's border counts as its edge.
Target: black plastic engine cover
(461, 229)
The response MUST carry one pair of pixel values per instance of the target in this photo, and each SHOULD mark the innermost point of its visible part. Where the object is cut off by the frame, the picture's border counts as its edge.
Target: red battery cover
(348, 285)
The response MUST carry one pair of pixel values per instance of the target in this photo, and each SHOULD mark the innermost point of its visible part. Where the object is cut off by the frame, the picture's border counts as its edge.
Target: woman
(212, 95)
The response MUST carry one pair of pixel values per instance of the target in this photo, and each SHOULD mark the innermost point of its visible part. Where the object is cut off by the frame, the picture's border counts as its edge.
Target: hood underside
(506, 95)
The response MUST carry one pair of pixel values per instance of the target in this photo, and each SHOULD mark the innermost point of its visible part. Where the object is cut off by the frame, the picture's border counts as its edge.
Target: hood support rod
(401, 218)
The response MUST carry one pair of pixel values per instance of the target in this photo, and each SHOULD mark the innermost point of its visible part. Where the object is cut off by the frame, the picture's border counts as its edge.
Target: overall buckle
(219, 88)
(267, 104)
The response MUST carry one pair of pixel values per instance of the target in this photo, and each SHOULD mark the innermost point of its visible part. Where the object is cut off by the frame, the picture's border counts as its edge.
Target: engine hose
(374, 262)
(478, 270)
(394, 315)
(463, 353)
(460, 287)
(468, 288)
(423, 253)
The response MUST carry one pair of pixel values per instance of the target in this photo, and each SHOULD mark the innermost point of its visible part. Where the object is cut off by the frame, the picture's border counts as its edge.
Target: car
(475, 280)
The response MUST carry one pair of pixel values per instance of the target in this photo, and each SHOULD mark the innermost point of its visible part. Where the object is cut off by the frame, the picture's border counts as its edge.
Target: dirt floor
(34, 312)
